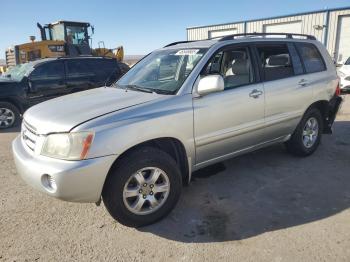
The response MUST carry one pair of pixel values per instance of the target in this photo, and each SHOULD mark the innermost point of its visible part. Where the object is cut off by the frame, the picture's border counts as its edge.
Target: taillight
(337, 90)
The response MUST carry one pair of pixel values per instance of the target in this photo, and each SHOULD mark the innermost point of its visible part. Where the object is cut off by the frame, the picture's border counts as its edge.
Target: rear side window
(103, 67)
(79, 68)
(312, 59)
(275, 61)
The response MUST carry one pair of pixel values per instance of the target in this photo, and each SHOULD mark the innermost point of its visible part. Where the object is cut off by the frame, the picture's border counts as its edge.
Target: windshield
(19, 71)
(162, 71)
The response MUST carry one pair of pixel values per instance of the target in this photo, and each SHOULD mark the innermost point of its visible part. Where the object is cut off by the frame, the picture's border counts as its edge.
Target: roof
(44, 60)
(273, 17)
(68, 22)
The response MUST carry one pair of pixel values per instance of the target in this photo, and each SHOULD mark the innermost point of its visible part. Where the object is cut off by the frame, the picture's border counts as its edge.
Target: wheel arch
(172, 146)
(323, 107)
(13, 102)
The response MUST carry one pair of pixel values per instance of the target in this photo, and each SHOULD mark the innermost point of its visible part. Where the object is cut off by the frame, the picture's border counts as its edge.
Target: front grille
(29, 135)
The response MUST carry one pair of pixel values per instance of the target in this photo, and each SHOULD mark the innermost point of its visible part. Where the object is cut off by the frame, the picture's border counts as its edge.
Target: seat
(277, 67)
(240, 73)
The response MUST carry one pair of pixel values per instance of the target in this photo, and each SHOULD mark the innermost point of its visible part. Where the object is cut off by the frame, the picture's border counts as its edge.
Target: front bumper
(76, 181)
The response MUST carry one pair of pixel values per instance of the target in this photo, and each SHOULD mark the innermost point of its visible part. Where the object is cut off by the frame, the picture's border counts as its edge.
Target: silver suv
(183, 107)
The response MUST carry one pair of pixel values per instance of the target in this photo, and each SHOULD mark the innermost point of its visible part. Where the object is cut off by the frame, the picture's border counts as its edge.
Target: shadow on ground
(262, 191)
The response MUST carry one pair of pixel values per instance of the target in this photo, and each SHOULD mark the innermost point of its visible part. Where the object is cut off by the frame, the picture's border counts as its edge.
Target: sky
(140, 26)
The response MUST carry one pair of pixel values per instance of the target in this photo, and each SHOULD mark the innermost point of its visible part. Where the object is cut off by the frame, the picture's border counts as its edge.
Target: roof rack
(288, 35)
(179, 42)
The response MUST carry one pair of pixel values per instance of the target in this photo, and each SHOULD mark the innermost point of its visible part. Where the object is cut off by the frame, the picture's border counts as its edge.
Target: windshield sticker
(187, 52)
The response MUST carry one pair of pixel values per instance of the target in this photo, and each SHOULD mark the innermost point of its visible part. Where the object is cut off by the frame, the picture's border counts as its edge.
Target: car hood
(64, 113)
(345, 69)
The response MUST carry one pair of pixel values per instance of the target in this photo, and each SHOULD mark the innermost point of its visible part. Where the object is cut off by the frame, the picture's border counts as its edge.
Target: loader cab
(74, 34)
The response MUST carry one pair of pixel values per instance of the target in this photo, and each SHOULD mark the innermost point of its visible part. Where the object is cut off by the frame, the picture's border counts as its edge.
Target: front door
(47, 81)
(231, 120)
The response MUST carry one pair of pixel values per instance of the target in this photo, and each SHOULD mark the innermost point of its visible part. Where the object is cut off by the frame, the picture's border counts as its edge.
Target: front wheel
(9, 115)
(143, 187)
(307, 136)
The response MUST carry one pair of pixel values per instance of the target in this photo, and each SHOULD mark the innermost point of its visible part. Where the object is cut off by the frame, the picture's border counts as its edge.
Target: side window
(234, 65)
(78, 68)
(275, 61)
(312, 59)
(48, 71)
(103, 68)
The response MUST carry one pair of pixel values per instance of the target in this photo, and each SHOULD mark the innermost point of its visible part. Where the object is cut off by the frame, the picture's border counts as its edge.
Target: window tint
(234, 65)
(48, 71)
(79, 68)
(312, 59)
(275, 62)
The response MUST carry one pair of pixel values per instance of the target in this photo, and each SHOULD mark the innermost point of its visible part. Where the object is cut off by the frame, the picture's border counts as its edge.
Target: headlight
(347, 78)
(67, 146)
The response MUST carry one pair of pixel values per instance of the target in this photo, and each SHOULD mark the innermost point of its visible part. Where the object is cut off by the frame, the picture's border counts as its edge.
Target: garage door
(292, 27)
(218, 33)
(343, 38)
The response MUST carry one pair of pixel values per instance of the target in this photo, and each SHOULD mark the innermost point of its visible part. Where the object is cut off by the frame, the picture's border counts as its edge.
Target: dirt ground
(264, 206)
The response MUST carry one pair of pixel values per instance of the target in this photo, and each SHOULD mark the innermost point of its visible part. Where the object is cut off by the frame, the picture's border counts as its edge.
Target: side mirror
(210, 84)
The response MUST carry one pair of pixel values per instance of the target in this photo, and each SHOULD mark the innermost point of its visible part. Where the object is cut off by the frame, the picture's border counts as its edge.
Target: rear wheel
(9, 115)
(143, 187)
(307, 136)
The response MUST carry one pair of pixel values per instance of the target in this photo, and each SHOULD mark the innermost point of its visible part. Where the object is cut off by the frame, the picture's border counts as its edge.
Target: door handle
(255, 93)
(303, 82)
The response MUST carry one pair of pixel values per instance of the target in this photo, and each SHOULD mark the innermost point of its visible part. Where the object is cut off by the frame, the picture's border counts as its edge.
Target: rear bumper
(76, 181)
(333, 108)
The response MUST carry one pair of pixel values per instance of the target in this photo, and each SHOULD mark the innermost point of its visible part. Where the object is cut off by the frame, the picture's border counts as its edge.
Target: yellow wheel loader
(62, 38)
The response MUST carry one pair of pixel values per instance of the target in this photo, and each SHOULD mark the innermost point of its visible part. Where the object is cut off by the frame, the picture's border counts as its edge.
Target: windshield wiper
(162, 91)
(137, 88)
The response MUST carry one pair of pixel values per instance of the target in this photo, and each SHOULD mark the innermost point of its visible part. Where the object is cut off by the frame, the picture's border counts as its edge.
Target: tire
(297, 145)
(11, 112)
(123, 174)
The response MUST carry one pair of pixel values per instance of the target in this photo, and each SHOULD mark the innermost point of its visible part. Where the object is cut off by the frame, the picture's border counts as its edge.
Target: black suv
(34, 82)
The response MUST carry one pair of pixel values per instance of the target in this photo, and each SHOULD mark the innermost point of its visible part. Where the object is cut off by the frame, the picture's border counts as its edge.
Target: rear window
(312, 59)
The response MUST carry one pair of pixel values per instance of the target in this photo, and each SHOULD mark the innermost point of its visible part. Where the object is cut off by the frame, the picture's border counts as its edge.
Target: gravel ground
(264, 206)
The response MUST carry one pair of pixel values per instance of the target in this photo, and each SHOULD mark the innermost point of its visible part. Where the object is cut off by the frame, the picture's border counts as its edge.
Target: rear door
(231, 120)
(287, 88)
(80, 75)
(47, 81)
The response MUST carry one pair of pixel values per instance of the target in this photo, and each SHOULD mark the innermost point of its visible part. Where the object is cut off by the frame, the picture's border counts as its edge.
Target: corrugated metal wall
(201, 33)
(333, 30)
(309, 21)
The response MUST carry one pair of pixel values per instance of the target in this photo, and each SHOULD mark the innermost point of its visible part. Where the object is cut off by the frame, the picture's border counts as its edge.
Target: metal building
(331, 27)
